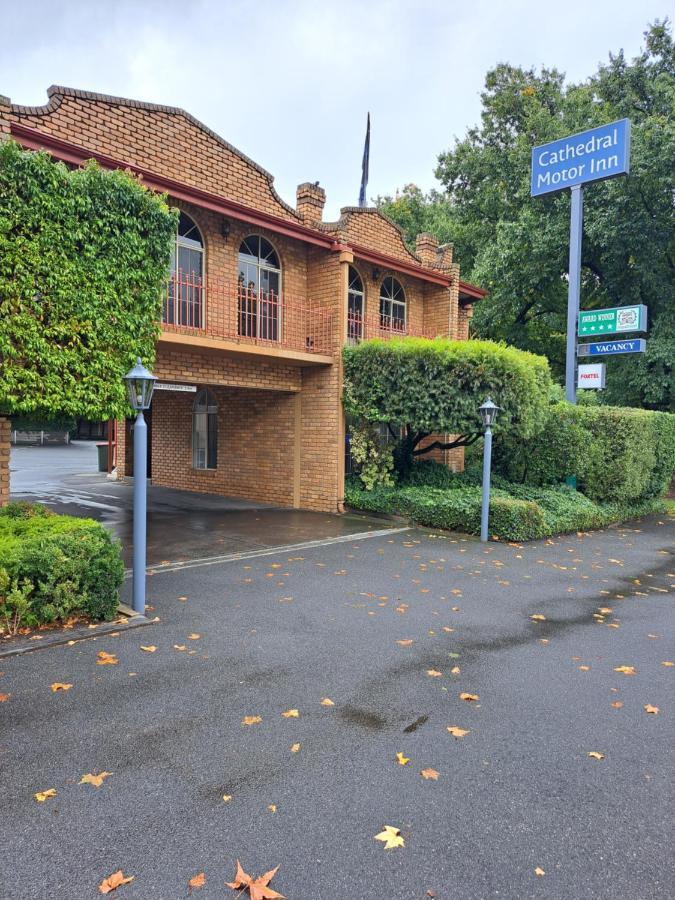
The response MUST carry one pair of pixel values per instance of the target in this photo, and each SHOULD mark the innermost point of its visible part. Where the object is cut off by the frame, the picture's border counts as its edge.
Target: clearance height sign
(588, 156)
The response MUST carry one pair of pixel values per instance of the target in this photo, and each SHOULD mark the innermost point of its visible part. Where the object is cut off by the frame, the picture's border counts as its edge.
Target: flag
(364, 167)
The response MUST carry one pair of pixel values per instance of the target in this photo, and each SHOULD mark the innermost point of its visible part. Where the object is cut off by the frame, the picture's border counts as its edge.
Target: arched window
(205, 431)
(259, 289)
(355, 306)
(185, 295)
(392, 305)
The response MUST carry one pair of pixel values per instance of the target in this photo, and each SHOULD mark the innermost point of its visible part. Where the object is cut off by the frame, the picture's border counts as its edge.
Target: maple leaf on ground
(666, 662)
(537, 617)
(455, 670)
(651, 709)
(197, 882)
(149, 649)
(194, 636)
(327, 702)
(106, 659)
(401, 759)
(258, 888)
(251, 720)
(295, 748)
(434, 673)
(457, 732)
(625, 670)
(470, 698)
(4, 697)
(429, 774)
(405, 643)
(595, 755)
(617, 704)
(96, 780)
(291, 714)
(41, 796)
(539, 871)
(391, 837)
(60, 686)
(112, 882)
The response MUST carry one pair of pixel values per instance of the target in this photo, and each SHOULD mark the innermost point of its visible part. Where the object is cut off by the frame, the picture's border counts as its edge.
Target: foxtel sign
(588, 156)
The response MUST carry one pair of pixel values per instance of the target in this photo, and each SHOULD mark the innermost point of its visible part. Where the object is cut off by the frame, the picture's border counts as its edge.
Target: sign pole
(574, 290)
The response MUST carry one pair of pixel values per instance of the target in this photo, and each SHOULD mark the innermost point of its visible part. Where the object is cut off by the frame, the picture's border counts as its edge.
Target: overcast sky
(290, 83)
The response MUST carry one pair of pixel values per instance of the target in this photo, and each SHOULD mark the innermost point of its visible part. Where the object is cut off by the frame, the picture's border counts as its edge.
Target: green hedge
(517, 512)
(55, 566)
(619, 454)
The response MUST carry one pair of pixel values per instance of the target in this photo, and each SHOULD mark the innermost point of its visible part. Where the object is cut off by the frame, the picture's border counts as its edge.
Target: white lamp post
(488, 414)
(140, 385)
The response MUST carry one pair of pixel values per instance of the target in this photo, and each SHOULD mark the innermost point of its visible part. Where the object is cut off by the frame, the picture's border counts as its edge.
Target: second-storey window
(184, 304)
(355, 307)
(205, 431)
(392, 305)
(259, 289)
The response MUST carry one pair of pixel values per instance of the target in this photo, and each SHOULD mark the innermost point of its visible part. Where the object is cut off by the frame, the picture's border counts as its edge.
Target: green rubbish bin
(102, 457)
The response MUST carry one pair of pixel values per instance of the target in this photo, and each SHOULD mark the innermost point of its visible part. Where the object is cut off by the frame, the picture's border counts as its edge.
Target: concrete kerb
(76, 635)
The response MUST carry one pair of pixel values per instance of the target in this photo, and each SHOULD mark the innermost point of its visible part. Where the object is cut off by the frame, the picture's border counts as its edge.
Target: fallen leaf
(272, 807)
(106, 659)
(4, 697)
(625, 670)
(96, 780)
(539, 871)
(327, 702)
(665, 663)
(584, 668)
(457, 732)
(149, 649)
(544, 641)
(401, 759)
(295, 748)
(391, 837)
(257, 887)
(291, 714)
(112, 882)
(227, 798)
(429, 774)
(41, 796)
(595, 755)
(197, 882)
(449, 630)
(179, 647)
(251, 720)
(651, 709)
(434, 673)
(59, 686)
(405, 643)
(617, 704)
(455, 670)
(194, 636)
(537, 617)
(471, 698)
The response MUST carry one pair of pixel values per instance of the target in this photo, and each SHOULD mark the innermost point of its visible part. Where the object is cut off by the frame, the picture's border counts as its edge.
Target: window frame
(355, 326)
(246, 318)
(387, 318)
(205, 414)
(185, 305)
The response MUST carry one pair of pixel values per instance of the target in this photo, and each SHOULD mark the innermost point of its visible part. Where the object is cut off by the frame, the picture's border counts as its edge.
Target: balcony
(361, 328)
(232, 317)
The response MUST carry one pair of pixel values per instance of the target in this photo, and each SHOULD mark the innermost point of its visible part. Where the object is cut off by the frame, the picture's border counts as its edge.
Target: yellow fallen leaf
(434, 673)
(96, 780)
(291, 714)
(429, 774)
(537, 617)
(449, 630)
(179, 647)
(272, 807)
(112, 882)
(605, 610)
(617, 704)
(471, 698)
(584, 668)
(539, 871)
(625, 670)
(391, 837)
(251, 720)
(544, 641)
(654, 710)
(327, 702)
(457, 732)
(405, 643)
(106, 659)
(41, 796)
(4, 697)
(182, 598)
(295, 748)
(198, 881)
(595, 755)
(668, 663)
(59, 686)
(194, 636)
(149, 649)
(455, 670)
(401, 759)
(227, 798)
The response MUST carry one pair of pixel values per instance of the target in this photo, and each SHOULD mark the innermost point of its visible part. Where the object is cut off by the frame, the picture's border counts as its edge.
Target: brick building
(260, 298)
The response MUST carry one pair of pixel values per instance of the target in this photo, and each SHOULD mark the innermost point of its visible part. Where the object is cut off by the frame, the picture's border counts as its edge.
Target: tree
(83, 257)
(425, 387)
(517, 246)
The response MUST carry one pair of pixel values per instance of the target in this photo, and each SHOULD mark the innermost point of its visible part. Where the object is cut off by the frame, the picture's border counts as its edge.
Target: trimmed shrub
(429, 473)
(60, 565)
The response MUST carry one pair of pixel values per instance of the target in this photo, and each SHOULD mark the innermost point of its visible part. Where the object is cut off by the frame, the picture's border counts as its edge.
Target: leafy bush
(432, 387)
(429, 473)
(374, 462)
(53, 566)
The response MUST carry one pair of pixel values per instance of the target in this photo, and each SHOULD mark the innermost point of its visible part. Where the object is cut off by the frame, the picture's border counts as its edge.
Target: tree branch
(461, 441)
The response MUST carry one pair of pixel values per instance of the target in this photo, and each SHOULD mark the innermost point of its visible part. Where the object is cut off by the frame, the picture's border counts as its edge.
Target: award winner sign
(587, 156)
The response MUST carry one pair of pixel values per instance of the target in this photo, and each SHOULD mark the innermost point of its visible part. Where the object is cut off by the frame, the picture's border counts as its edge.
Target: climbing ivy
(83, 257)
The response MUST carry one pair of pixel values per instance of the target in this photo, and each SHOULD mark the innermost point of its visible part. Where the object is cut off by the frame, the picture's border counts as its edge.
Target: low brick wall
(5, 433)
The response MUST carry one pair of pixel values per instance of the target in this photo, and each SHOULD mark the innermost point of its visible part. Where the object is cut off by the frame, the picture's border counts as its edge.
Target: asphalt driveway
(182, 525)
(391, 630)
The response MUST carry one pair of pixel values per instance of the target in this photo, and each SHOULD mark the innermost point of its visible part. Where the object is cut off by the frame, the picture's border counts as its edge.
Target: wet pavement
(562, 644)
(181, 525)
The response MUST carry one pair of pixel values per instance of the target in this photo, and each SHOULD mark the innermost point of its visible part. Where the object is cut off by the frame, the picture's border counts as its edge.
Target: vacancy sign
(612, 321)
(587, 156)
(591, 377)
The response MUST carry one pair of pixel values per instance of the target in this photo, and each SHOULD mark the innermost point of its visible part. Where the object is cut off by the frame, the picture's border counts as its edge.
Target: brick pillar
(5, 432)
(310, 199)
